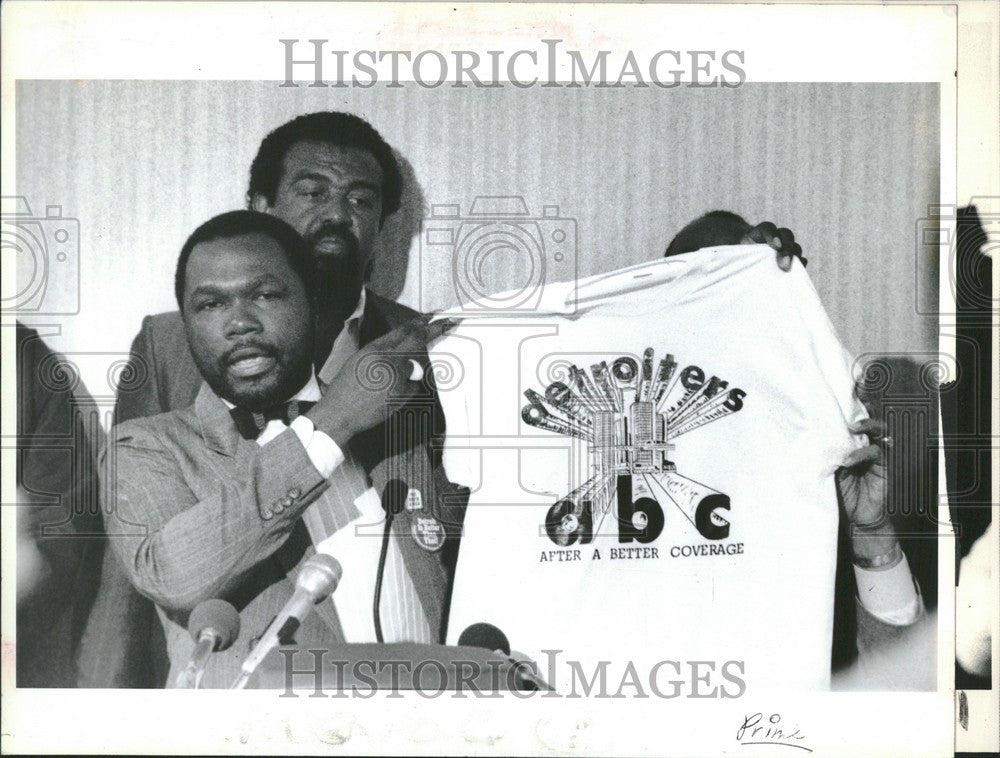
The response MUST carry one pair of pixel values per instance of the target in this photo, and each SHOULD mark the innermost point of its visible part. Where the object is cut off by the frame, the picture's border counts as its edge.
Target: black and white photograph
(500, 378)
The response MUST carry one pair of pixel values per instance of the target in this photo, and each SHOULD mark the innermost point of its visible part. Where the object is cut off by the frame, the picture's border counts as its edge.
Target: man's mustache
(247, 349)
(338, 232)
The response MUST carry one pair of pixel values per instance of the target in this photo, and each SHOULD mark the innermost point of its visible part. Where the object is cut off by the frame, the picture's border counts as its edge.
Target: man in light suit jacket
(232, 493)
(334, 179)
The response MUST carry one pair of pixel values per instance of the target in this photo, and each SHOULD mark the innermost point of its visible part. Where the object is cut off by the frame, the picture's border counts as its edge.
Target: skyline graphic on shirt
(629, 414)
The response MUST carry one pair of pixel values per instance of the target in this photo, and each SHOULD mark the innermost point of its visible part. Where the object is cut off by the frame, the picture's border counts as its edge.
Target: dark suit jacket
(123, 644)
(59, 513)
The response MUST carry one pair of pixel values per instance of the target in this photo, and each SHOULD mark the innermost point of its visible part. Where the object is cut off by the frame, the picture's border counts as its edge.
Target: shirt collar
(310, 391)
(359, 310)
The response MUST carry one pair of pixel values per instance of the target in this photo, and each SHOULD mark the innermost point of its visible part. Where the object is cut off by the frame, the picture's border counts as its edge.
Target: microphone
(317, 580)
(214, 624)
(393, 502)
(487, 636)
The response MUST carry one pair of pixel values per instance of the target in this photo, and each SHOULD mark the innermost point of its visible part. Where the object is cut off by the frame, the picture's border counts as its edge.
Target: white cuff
(324, 453)
(889, 594)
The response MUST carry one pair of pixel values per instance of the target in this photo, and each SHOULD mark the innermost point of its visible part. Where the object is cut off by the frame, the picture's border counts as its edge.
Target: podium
(353, 668)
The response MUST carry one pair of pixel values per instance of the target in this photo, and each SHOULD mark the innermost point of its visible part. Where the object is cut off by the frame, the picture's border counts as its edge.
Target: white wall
(849, 167)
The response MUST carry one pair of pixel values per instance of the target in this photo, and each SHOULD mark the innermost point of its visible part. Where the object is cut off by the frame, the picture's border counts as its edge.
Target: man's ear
(259, 203)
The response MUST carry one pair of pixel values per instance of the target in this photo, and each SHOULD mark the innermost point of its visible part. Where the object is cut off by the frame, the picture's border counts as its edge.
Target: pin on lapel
(414, 500)
(428, 533)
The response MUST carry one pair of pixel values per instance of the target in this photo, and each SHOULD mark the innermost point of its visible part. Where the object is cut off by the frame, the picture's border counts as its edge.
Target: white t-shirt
(726, 549)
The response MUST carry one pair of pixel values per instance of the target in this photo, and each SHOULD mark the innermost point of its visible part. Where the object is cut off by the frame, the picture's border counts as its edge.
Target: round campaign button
(428, 533)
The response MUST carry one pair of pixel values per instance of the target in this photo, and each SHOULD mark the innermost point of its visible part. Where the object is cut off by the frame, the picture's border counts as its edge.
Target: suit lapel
(375, 321)
(388, 454)
(220, 434)
(217, 427)
(414, 527)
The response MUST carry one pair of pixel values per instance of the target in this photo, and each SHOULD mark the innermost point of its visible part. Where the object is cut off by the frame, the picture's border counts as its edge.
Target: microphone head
(486, 636)
(218, 617)
(319, 576)
(394, 496)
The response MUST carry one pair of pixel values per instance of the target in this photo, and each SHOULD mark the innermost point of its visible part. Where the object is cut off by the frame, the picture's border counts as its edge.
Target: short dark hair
(335, 128)
(714, 228)
(236, 224)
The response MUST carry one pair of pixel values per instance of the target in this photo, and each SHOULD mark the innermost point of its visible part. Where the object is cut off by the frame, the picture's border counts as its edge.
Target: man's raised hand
(781, 239)
(382, 376)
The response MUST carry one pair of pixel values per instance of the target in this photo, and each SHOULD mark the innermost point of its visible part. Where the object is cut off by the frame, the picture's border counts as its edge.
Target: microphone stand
(190, 677)
(392, 501)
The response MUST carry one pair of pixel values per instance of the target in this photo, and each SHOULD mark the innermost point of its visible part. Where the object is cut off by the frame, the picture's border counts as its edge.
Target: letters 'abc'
(629, 414)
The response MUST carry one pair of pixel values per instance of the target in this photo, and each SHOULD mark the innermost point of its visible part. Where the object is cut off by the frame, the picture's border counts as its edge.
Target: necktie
(251, 424)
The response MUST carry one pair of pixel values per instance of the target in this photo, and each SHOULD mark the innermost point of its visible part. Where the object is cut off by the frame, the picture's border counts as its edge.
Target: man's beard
(342, 269)
(289, 375)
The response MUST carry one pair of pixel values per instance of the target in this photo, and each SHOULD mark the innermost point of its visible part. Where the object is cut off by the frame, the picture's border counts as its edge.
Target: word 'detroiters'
(630, 413)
